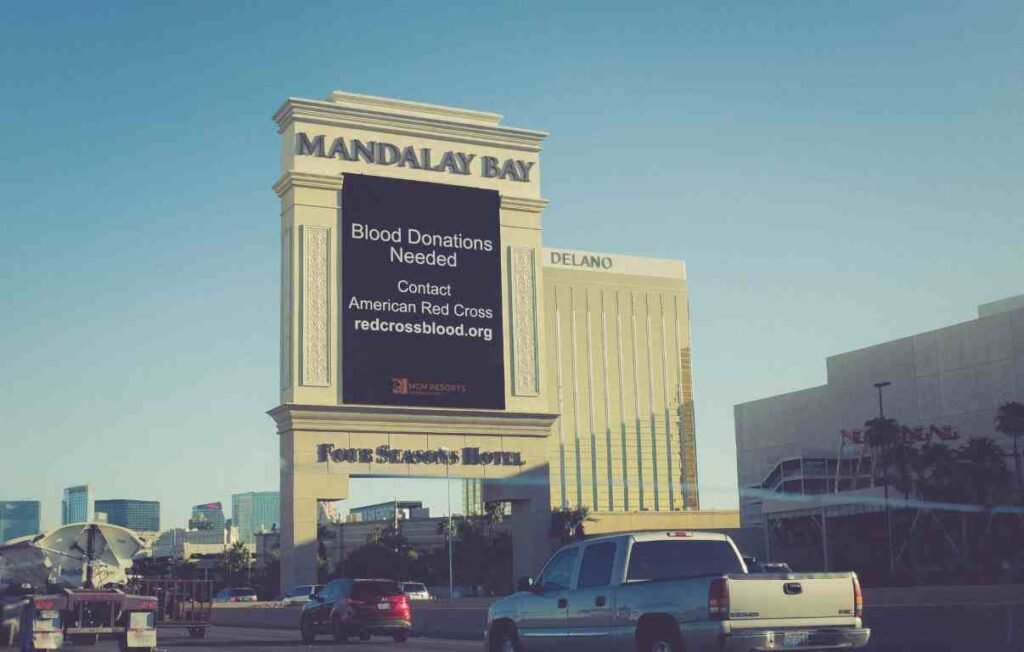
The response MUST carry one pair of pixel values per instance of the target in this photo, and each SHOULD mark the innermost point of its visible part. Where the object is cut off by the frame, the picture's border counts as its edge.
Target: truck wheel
(306, 631)
(659, 639)
(504, 639)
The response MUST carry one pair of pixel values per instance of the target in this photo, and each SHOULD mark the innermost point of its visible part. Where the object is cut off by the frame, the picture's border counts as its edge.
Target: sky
(834, 174)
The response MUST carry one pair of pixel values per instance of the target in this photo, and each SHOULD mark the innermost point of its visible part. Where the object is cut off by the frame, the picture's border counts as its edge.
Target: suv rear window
(374, 589)
(661, 560)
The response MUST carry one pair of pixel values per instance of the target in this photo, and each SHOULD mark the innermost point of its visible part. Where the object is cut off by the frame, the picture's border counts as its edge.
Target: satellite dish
(74, 555)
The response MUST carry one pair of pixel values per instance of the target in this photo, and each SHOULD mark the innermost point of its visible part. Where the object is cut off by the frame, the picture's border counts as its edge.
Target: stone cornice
(416, 124)
(523, 204)
(393, 105)
(306, 180)
(403, 420)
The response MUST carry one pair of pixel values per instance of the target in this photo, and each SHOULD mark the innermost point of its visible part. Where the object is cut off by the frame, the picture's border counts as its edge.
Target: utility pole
(448, 483)
(885, 485)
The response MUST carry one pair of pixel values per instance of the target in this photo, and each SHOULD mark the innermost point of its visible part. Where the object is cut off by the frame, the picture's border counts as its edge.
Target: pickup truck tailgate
(790, 596)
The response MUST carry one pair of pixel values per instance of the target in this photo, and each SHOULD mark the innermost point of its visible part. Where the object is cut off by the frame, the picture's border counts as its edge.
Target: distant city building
(385, 511)
(208, 516)
(472, 497)
(255, 511)
(18, 518)
(138, 515)
(76, 506)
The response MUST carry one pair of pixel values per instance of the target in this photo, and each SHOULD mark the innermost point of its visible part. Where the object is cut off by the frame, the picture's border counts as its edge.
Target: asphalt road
(224, 639)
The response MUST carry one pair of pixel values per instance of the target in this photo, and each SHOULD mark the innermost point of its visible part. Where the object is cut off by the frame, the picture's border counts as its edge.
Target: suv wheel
(401, 636)
(306, 630)
(340, 632)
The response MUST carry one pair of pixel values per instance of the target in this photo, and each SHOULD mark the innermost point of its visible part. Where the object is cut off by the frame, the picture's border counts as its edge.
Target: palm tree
(883, 437)
(494, 514)
(1010, 422)
(984, 470)
(937, 477)
(567, 523)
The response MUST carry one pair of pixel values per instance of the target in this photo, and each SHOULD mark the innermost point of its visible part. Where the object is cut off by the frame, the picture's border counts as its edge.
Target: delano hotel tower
(618, 363)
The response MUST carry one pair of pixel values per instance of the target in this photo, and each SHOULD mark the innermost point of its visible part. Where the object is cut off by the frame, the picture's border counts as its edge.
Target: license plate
(383, 606)
(795, 639)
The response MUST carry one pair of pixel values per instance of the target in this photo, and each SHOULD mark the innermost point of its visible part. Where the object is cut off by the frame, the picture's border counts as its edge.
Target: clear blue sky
(835, 174)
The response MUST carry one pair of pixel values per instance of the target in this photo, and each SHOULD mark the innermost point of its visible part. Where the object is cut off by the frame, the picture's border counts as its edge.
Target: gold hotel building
(618, 370)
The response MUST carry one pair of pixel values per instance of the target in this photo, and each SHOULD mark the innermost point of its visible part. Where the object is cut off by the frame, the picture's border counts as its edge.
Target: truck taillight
(44, 604)
(858, 598)
(718, 599)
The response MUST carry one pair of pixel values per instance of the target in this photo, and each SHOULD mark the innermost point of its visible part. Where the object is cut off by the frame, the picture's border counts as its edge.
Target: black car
(356, 607)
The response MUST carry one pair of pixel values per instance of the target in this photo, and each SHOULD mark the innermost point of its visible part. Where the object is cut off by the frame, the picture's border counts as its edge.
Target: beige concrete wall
(610, 523)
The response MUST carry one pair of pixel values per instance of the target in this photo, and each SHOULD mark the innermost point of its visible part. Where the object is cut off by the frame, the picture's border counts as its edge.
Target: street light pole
(885, 486)
(448, 487)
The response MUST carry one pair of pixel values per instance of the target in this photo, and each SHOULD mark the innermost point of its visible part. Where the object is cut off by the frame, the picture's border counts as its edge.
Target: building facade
(77, 505)
(208, 516)
(18, 518)
(137, 515)
(255, 511)
(618, 330)
(625, 438)
(386, 511)
(946, 386)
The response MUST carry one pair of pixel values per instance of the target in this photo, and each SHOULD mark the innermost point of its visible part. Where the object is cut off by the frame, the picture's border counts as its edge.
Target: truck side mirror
(525, 584)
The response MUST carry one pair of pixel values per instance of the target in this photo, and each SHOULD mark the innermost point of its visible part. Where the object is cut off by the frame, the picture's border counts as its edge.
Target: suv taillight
(718, 599)
(858, 598)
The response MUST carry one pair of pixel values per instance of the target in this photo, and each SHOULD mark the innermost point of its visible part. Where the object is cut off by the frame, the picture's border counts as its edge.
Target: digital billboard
(421, 294)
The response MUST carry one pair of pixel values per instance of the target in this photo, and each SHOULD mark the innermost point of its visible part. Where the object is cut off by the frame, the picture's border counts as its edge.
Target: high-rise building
(208, 516)
(255, 511)
(76, 506)
(618, 333)
(18, 518)
(138, 515)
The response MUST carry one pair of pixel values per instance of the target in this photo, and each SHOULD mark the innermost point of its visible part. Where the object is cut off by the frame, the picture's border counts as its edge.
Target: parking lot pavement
(226, 639)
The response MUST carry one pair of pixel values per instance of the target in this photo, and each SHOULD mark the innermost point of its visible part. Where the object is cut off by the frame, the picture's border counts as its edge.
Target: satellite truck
(67, 586)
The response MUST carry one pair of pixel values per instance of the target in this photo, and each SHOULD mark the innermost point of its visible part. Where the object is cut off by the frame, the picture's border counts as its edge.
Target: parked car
(673, 591)
(357, 607)
(299, 595)
(415, 590)
(235, 594)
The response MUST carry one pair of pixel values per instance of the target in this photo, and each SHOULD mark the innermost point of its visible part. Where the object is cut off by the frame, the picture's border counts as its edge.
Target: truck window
(596, 569)
(659, 560)
(558, 572)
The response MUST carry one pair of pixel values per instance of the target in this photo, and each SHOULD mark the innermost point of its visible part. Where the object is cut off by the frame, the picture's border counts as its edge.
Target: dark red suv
(360, 608)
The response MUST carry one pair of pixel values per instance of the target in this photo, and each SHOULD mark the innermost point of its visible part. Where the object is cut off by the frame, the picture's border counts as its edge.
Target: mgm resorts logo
(406, 387)
(469, 456)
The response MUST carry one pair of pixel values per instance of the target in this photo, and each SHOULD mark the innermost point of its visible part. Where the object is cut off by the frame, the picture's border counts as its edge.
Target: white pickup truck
(673, 591)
